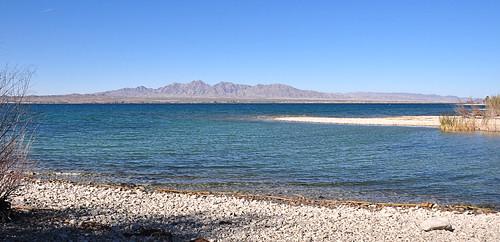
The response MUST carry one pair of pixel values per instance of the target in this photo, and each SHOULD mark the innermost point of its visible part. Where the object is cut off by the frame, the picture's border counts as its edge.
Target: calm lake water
(232, 147)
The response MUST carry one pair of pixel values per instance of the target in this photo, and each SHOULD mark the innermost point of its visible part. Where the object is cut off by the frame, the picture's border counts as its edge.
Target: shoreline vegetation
(15, 134)
(474, 119)
(117, 212)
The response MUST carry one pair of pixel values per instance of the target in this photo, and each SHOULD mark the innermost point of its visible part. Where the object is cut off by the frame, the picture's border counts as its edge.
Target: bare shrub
(14, 133)
(462, 111)
(475, 111)
(464, 120)
(457, 123)
(474, 119)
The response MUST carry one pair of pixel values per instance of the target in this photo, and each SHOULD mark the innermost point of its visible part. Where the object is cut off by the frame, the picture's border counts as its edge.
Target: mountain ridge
(199, 91)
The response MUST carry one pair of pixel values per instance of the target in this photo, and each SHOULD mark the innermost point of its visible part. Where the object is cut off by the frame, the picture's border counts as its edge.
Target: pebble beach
(58, 210)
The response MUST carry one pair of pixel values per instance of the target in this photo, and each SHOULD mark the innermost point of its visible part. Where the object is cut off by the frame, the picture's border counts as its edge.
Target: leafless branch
(15, 135)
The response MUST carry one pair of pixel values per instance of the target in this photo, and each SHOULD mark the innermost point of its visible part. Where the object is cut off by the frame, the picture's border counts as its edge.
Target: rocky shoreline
(59, 210)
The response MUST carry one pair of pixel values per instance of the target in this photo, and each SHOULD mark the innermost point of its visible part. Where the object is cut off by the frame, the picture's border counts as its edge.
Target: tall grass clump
(451, 123)
(492, 106)
(464, 120)
(14, 133)
(491, 117)
(474, 119)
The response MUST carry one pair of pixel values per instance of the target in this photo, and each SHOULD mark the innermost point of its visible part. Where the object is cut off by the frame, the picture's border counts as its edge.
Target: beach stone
(436, 224)
(200, 240)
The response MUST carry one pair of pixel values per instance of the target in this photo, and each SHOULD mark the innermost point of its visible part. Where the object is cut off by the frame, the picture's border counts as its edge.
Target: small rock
(225, 222)
(426, 205)
(199, 240)
(436, 224)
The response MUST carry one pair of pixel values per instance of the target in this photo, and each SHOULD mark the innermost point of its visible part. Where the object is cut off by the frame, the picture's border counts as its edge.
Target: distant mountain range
(199, 91)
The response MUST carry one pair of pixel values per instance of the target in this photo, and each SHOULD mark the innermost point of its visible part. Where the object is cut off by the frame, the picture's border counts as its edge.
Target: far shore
(96, 99)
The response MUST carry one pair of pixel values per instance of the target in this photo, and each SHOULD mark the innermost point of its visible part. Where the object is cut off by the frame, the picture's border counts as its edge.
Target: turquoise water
(236, 147)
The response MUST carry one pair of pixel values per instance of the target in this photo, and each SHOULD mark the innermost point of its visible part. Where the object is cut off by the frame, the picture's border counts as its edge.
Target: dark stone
(151, 232)
(225, 222)
(93, 226)
(199, 240)
(5, 211)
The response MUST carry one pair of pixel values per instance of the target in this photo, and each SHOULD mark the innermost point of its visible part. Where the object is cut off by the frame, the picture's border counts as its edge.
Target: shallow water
(235, 147)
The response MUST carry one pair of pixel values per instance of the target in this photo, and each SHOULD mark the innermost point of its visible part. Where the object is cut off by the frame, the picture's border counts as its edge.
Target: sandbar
(417, 121)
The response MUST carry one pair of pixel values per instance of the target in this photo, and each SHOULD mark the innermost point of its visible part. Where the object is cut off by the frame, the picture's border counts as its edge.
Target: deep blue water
(234, 147)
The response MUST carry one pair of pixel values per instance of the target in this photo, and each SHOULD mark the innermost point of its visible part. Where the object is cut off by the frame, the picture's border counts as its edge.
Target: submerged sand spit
(419, 121)
(66, 211)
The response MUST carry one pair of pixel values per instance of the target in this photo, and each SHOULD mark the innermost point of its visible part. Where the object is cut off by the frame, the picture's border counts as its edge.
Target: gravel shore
(54, 210)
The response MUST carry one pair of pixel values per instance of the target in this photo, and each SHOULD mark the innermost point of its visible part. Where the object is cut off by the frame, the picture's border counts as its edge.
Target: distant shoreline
(126, 100)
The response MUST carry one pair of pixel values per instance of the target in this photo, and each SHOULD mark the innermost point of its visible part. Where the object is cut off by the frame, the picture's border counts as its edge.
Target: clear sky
(435, 46)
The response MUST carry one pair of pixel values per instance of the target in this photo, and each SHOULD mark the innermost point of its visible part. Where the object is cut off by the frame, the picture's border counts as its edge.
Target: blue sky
(438, 46)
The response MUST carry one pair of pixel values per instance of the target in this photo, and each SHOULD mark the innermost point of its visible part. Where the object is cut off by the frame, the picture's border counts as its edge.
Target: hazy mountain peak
(198, 82)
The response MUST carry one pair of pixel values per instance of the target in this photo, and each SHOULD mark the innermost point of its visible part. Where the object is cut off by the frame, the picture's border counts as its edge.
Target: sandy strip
(96, 212)
(419, 121)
